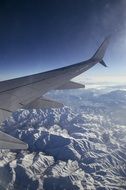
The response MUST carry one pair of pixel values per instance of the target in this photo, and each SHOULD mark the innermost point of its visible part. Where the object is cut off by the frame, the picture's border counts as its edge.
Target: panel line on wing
(21, 86)
(6, 110)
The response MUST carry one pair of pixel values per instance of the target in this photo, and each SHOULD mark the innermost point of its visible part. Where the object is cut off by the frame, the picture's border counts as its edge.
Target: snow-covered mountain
(81, 146)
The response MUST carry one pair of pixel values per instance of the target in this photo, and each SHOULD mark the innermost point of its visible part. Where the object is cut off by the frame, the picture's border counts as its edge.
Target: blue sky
(42, 35)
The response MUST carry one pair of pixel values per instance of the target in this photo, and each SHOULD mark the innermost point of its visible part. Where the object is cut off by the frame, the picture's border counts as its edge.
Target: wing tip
(99, 54)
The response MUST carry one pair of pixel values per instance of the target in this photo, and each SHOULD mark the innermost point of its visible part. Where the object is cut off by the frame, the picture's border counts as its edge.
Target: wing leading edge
(26, 92)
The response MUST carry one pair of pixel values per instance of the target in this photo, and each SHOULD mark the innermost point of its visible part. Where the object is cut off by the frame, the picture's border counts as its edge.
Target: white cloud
(101, 79)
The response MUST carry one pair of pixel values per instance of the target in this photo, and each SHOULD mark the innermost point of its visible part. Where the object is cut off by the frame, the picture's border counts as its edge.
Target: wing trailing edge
(42, 103)
(71, 85)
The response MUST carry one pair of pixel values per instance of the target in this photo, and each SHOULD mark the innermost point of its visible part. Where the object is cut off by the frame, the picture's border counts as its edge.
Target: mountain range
(81, 146)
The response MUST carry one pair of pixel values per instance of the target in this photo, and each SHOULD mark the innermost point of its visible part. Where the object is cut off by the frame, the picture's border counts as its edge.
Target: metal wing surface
(9, 142)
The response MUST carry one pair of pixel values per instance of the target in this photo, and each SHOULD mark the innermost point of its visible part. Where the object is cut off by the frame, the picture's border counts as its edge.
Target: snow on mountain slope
(81, 146)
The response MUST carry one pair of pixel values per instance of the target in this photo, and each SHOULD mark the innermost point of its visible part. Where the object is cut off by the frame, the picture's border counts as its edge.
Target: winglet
(98, 56)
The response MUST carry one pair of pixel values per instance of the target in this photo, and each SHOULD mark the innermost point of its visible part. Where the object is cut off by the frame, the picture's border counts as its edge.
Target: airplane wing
(26, 92)
(9, 142)
(42, 103)
(70, 85)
